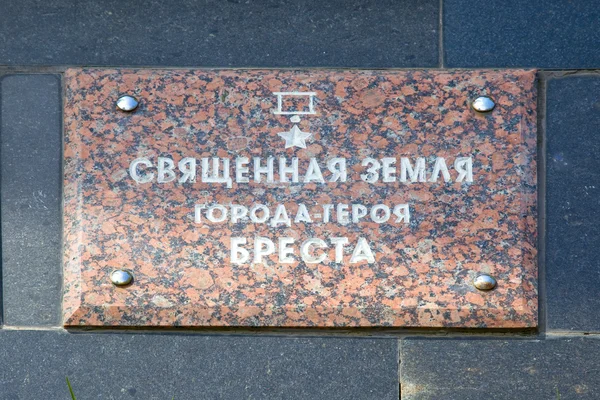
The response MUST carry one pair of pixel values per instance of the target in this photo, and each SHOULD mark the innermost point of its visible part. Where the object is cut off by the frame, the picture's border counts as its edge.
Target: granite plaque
(310, 198)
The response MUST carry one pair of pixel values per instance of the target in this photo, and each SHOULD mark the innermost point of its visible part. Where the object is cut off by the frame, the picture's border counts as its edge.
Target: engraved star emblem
(295, 137)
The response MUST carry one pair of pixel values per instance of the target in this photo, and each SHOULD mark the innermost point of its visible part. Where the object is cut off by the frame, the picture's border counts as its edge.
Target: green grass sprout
(70, 389)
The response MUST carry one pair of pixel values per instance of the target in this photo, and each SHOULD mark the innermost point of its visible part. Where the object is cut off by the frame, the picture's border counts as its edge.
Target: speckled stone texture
(421, 273)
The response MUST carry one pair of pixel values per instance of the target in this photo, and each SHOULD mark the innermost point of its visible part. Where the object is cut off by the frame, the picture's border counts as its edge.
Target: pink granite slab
(394, 271)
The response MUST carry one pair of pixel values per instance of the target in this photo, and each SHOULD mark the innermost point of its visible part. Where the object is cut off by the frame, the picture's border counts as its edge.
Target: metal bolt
(484, 282)
(121, 277)
(127, 103)
(483, 104)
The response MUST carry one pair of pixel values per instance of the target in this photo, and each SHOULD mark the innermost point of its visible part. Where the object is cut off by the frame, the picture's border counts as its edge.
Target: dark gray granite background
(40, 36)
(573, 203)
(562, 34)
(30, 189)
(148, 367)
(216, 33)
(500, 369)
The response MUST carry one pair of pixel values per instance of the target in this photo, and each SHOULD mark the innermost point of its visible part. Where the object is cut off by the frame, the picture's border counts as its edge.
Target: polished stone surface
(472, 206)
(509, 34)
(573, 203)
(553, 33)
(216, 33)
(499, 369)
(30, 189)
(203, 367)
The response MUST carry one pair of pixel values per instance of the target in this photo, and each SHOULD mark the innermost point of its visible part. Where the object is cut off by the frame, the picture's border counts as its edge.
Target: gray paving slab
(573, 203)
(273, 33)
(30, 189)
(513, 33)
(560, 369)
(148, 367)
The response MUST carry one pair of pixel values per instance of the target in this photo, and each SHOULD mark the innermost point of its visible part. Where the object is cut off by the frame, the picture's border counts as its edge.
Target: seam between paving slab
(541, 186)
(58, 69)
(1, 254)
(441, 35)
(550, 335)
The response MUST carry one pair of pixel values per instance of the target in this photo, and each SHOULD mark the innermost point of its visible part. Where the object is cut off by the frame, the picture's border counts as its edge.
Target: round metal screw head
(121, 277)
(483, 104)
(484, 282)
(127, 103)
